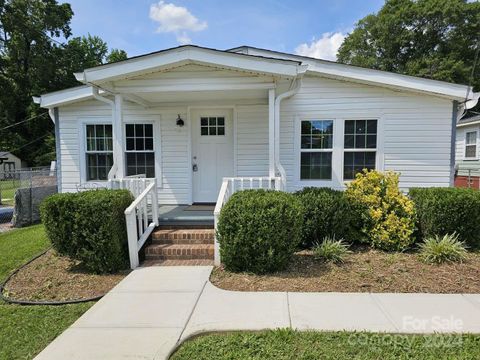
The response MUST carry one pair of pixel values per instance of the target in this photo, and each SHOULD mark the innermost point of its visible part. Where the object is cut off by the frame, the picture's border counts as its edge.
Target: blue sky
(314, 28)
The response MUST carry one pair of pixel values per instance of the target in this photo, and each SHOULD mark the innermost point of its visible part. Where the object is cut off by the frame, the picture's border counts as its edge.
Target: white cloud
(176, 19)
(324, 48)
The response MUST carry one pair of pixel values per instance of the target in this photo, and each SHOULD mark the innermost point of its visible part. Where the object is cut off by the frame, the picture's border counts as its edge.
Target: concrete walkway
(154, 309)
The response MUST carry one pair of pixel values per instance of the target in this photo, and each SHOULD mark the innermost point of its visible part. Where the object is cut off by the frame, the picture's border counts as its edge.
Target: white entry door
(212, 152)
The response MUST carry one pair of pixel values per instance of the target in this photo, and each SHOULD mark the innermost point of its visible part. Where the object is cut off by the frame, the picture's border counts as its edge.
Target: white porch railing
(142, 214)
(232, 184)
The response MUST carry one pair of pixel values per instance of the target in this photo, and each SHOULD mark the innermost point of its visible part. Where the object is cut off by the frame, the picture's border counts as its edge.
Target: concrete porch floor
(197, 214)
(154, 309)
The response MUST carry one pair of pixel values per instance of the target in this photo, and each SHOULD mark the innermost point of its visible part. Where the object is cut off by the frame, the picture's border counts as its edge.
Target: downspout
(96, 95)
(278, 101)
(53, 113)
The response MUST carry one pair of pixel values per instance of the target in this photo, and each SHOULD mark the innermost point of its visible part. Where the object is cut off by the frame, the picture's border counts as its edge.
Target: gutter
(278, 100)
(96, 95)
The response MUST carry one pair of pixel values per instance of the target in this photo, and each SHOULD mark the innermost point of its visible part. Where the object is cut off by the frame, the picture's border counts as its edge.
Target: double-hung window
(471, 145)
(140, 154)
(360, 147)
(316, 150)
(99, 151)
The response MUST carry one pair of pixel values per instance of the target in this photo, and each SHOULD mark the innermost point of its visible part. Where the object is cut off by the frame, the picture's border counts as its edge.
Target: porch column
(117, 137)
(271, 132)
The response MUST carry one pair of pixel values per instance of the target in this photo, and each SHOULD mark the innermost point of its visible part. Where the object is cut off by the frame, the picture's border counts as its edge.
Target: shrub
(327, 213)
(331, 250)
(90, 227)
(442, 211)
(259, 230)
(437, 250)
(386, 215)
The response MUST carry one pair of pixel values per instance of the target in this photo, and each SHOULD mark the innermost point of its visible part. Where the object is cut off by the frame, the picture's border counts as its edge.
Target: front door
(212, 152)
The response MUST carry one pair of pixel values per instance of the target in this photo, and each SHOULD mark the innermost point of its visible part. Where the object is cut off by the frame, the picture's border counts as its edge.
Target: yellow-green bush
(386, 215)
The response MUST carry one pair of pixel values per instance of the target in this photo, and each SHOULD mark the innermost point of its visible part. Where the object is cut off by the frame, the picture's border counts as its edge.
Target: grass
(7, 191)
(288, 344)
(331, 250)
(437, 249)
(26, 330)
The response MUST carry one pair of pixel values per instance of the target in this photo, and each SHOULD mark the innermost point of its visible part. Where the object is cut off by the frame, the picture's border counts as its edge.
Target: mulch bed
(52, 277)
(364, 270)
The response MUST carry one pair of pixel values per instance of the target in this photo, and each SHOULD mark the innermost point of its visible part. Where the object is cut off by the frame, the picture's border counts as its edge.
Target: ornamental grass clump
(439, 249)
(331, 250)
(386, 217)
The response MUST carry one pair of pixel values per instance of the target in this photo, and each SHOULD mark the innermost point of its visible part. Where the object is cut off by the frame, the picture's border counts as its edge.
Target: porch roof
(253, 61)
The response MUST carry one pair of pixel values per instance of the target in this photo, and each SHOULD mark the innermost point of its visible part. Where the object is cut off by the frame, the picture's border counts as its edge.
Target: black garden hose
(27, 302)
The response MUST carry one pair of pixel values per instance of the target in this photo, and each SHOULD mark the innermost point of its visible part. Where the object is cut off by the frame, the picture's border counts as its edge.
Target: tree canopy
(38, 54)
(435, 39)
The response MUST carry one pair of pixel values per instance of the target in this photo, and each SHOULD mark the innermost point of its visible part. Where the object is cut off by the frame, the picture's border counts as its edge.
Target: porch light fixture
(180, 121)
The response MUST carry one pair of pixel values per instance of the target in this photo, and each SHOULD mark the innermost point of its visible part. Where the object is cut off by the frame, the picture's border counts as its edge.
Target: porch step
(183, 236)
(179, 252)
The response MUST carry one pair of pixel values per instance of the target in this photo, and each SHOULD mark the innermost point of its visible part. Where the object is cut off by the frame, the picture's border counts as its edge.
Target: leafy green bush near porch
(89, 226)
(259, 230)
(442, 211)
(327, 213)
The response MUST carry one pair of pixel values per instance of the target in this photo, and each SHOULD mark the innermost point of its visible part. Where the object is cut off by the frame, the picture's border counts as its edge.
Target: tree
(33, 61)
(435, 39)
(116, 55)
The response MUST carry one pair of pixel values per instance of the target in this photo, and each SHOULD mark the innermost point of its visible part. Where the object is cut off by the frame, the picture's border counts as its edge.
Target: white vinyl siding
(252, 140)
(414, 134)
(414, 131)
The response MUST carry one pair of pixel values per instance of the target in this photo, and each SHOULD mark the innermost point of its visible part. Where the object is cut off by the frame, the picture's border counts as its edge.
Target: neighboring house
(467, 160)
(191, 116)
(8, 164)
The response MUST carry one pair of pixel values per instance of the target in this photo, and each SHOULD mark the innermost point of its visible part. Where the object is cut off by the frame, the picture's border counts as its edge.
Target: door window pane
(212, 126)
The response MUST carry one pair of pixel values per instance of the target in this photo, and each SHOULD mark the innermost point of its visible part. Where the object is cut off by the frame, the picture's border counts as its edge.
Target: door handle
(195, 167)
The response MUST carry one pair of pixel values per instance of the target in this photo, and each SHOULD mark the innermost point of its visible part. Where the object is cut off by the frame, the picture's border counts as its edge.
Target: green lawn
(288, 344)
(26, 330)
(7, 190)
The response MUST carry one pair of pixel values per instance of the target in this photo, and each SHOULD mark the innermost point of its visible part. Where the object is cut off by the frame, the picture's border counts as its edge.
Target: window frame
(155, 152)
(316, 150)
(82, 135)
(475, 157)
(334, 182)
(361, 150)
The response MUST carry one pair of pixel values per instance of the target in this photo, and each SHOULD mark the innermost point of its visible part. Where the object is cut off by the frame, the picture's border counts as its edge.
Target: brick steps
(188, 236)
(195, 262)
(175, 246)
(179, 251)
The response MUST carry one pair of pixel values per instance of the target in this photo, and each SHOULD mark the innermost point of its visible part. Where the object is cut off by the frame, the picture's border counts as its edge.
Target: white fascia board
(64, 97)
(164, 60)
(369, 76)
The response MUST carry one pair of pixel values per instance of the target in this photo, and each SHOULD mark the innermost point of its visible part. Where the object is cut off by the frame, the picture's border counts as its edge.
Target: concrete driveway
(154, 309)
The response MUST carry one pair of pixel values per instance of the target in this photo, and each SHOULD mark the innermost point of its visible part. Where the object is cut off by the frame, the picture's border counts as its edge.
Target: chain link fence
(21, 192)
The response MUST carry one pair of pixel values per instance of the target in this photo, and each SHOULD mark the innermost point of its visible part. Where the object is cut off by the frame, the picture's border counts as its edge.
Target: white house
(467, 154)
(191, 116)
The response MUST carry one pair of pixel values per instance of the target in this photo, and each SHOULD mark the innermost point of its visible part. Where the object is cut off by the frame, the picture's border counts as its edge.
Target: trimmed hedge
(89, 226)
(442, 211)
(327, 213)
(259, 230)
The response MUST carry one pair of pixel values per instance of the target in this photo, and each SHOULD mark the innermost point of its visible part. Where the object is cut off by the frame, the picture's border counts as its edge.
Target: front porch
(190, 129)
(200, 215)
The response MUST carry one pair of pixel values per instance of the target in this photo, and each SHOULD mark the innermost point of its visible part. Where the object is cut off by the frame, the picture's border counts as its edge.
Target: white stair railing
(230, 185)
(142, 214)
